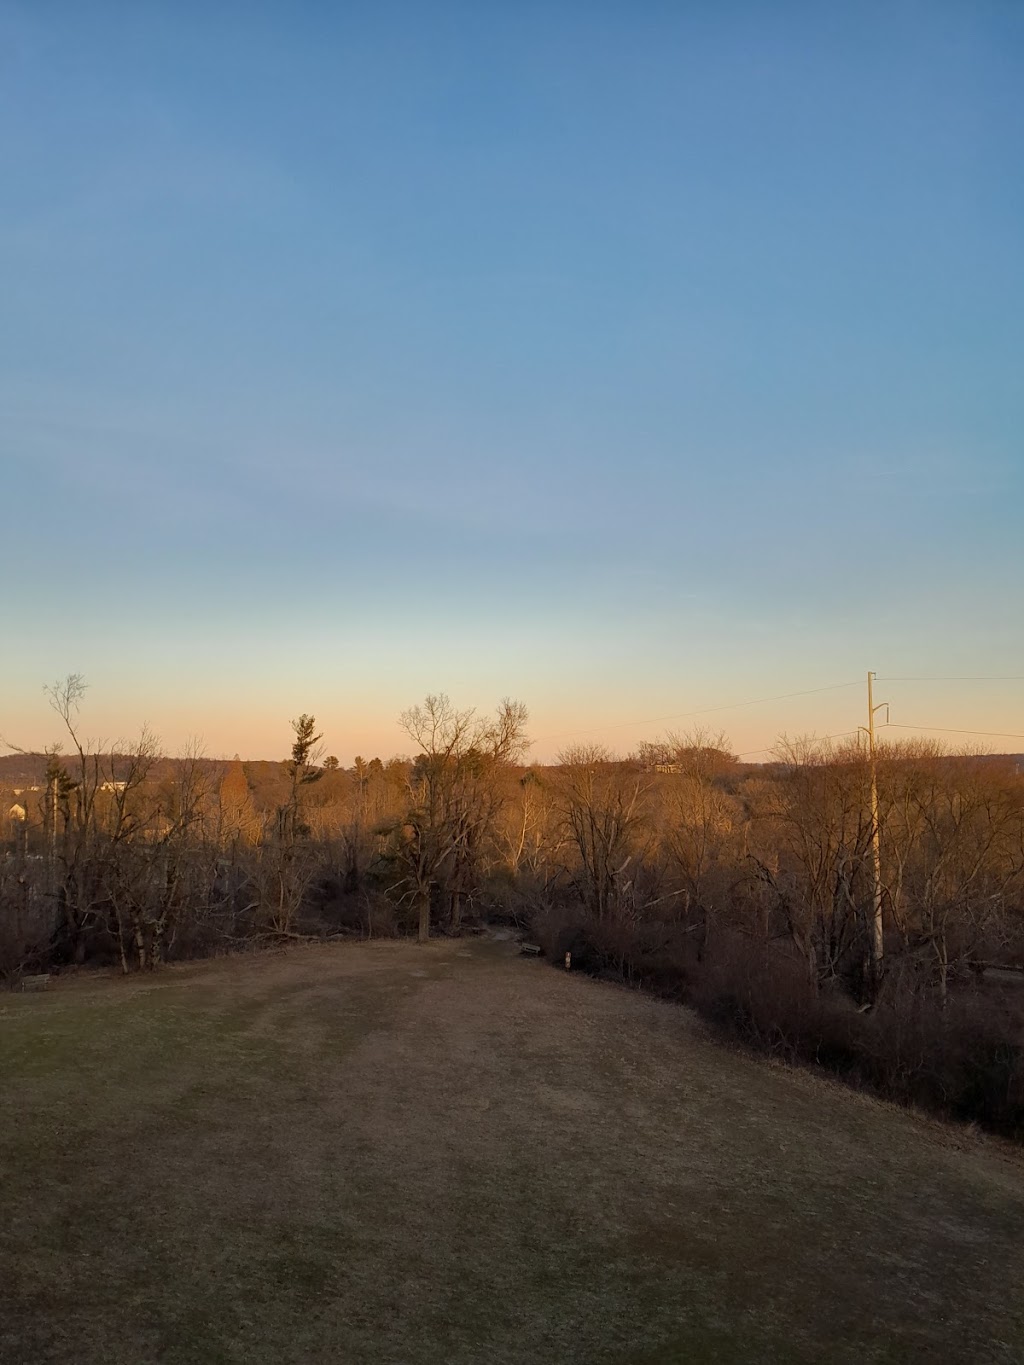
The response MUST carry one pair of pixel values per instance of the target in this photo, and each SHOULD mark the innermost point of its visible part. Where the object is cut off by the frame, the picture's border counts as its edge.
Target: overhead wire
(950, 730)
(1006, 677)
(843, 734)
(702, 711)
(806, 692)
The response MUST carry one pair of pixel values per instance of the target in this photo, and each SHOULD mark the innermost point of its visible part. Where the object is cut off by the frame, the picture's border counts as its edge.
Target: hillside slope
(379, 1152)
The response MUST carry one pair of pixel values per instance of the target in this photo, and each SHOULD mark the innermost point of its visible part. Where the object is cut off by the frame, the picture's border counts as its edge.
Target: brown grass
(384, 1153)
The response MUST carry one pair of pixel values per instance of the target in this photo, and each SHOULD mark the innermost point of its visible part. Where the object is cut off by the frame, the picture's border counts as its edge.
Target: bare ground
(387, 1153)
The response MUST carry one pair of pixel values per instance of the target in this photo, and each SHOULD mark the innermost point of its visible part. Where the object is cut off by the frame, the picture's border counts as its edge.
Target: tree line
(747, 890)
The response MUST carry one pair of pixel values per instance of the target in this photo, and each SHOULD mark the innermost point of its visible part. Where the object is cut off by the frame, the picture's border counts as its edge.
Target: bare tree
(952, 850)
(454, 796)
(704, 825)
(98, 802)
(603, 805)
(811, 843)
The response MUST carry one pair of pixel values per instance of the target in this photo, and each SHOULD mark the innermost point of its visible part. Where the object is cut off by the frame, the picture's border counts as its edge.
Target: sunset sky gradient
(628, 359)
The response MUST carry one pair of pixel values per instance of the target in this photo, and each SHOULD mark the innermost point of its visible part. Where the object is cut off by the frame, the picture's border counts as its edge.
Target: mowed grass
(381, 1152)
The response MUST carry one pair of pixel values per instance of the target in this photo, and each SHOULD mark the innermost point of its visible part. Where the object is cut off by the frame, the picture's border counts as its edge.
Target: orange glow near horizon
(960, 720)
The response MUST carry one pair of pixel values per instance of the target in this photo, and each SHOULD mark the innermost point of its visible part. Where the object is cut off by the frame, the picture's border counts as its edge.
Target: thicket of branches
(748, 891)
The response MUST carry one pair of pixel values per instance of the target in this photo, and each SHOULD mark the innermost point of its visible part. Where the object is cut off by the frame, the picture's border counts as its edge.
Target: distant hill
(26, 770)
(21, 770)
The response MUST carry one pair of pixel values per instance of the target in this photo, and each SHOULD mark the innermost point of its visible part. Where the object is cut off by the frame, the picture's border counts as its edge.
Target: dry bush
(370, 914)
(965, 1059)
(26, 921)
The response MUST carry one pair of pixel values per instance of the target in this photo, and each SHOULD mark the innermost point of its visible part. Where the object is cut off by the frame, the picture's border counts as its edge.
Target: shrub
(965, 1060)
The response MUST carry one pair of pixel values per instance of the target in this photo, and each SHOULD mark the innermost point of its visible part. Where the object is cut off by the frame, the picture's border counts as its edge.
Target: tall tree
(303, 770)
(603, 807)
(454, 796)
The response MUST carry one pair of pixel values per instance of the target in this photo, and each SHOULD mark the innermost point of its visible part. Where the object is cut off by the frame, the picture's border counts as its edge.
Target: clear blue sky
(622, 357)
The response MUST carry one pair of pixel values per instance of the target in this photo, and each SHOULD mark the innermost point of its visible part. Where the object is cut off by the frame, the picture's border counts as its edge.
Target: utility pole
(877, 940)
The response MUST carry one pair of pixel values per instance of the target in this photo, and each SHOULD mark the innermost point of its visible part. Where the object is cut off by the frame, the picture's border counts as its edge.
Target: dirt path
(385, 1153)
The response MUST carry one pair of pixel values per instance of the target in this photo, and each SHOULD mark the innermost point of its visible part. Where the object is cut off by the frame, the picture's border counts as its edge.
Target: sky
(629, 359)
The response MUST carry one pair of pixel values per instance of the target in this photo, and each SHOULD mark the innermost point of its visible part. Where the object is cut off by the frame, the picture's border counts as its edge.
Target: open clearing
(381, 1152)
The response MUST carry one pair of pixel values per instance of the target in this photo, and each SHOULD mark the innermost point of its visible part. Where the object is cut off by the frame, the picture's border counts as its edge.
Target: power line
(893, 725)
(703, 711)
(949, 730)
(1008, 677)
(818, 739)
(805, 692)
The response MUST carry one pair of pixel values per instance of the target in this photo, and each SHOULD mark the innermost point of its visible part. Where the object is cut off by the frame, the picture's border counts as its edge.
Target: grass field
(381, 1152)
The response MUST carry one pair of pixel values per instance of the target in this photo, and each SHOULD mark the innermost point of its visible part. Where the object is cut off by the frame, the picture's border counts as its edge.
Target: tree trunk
(140, 945)
(424, 934)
